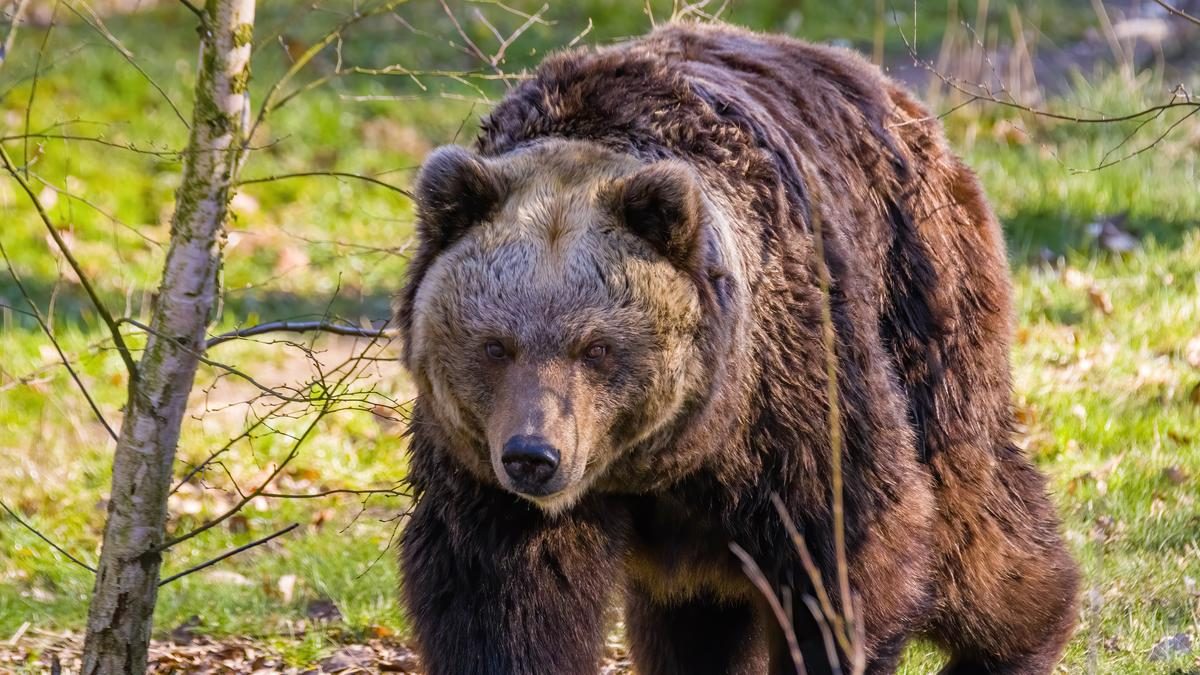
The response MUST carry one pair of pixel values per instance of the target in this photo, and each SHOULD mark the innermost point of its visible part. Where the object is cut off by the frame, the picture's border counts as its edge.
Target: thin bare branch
(300, 327)
(269, 391)
(15, 20)
(756, 576)
(983, 93)
(39, 371)
(97, 25)
(536, 17)
(1148, 146)
(212, 456)
(228, 554)
(195, 10)
(269, 99)
(823, 628)
(339, 491)
(514, 11)
(334, 174)
(96, 207)
(835, 418)
(977, 91)
(470, 44)
(582, 34)
(174, 541)
(91, 139)
(46, 539)
(814, 574)
(93, 296)
(37, 315)
(1178, 12)
(37, 71)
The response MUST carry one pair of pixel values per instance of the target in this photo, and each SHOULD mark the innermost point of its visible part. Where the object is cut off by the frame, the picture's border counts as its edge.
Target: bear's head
(559, 312)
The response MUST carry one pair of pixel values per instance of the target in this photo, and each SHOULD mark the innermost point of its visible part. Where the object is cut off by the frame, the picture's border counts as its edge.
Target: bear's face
(555, 324)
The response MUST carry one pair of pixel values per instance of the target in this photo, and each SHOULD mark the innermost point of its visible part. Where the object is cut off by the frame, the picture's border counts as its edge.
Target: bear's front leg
(494, 586)
(702, 635)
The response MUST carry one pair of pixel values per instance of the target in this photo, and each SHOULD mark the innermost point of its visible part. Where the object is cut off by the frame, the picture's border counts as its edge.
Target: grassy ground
(1107, 356)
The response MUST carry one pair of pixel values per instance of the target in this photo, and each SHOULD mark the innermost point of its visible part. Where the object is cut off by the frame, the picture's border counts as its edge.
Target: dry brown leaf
(1179, 437)
(322, 516)
(1100, 300)
(1175, 475)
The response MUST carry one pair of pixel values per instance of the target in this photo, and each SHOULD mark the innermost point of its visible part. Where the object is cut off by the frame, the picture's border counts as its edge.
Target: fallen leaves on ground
(201, 655)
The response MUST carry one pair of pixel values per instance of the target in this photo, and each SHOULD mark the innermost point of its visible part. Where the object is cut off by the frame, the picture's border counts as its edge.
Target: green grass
(1108, 401)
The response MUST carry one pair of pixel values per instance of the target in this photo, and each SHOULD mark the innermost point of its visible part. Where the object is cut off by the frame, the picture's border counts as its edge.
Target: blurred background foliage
(1106, 262)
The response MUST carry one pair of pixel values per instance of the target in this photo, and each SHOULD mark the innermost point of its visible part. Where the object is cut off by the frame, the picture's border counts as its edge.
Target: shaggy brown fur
(628, 270)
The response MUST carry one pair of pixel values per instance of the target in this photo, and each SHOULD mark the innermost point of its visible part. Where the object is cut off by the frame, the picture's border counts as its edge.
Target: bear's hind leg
(1007, 584)
(696, 636)
(1037, 662)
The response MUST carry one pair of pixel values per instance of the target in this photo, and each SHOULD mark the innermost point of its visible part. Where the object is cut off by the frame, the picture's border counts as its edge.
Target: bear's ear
(661, 203)
(455, 190)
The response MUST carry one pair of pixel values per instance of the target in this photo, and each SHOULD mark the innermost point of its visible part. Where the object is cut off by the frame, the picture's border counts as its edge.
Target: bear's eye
(595, 352)
(495, 350)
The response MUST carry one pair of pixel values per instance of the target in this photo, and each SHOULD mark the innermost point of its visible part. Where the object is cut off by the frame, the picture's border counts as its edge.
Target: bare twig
(39, 371)
(253, 493)
(225, 448)
(582, 34)
(977, 91)
(15, 20)
(514, 11)
(814, 576)
(536, 17)
(300, 327)
(1178, 12)
(93, 296)
(829, 336)
(814, 608)
(983, 93)
(269, 99)
(46, 539)
(334, 174)
(228, 554)
(95, 207)
(91, 139)
(470, 44)
(37, 71)
(223, 366)
(37, 315)
(756, 576)
(97, 25)
(1130, 155)
(337, 491)
(195, 10)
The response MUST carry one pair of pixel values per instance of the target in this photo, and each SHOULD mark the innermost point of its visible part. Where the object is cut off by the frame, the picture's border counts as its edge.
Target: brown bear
(617, 321)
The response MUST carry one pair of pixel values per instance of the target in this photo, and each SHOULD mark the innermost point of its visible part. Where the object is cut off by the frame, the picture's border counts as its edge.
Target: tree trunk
(122, 607)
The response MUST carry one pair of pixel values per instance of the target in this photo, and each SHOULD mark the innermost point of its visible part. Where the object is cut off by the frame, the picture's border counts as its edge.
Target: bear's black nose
(529, 461)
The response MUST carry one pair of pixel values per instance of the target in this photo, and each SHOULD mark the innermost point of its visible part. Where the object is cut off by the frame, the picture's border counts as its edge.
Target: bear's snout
(530, 461)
